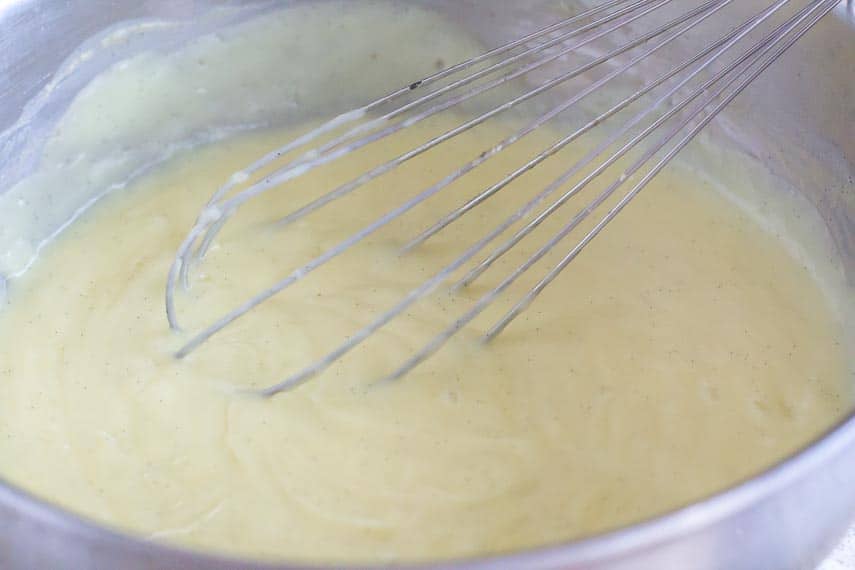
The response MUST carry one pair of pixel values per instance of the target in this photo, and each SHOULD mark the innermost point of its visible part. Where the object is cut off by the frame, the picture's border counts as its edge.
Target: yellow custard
(687, 348)
(683, 351)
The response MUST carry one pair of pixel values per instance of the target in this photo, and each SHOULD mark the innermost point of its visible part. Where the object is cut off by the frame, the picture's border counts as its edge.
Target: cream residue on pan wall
(219, 84)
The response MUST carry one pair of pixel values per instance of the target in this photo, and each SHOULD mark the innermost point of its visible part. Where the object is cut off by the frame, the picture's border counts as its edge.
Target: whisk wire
(451, 217)
(356, 114)
(331, 196)
(214, 218)
(691, 113)
(372, 174)
(344, 145)
(439, 340)
(476, 271)
(526, 301)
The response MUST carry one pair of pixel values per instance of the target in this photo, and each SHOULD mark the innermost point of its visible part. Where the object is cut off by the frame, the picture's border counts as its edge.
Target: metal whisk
(684, 100)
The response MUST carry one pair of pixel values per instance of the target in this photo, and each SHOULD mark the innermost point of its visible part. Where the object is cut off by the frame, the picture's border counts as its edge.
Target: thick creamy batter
(684, 350)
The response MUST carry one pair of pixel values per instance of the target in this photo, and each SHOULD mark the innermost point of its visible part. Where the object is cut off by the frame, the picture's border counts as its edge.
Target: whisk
(676, 106)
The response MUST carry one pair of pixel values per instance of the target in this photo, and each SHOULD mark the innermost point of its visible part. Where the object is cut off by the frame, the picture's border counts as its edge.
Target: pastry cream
(684, 350)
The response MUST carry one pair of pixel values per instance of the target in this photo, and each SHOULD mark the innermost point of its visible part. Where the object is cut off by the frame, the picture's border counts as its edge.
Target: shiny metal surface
(798, 119)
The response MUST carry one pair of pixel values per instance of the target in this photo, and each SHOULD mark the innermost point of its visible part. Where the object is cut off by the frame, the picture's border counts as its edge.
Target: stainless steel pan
(804, 107)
